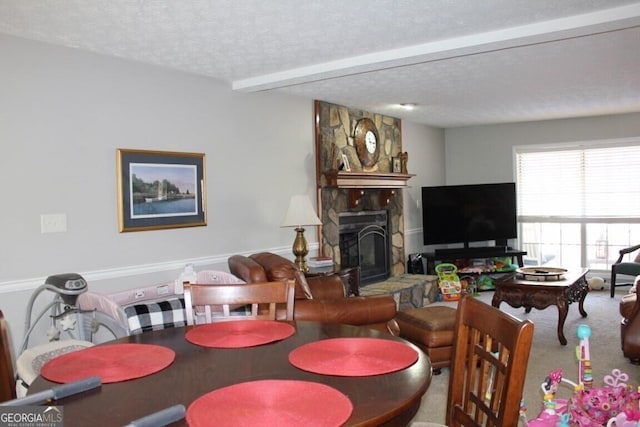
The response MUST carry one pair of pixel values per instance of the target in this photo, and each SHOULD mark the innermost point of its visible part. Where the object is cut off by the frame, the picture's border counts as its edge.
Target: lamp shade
(300, 212)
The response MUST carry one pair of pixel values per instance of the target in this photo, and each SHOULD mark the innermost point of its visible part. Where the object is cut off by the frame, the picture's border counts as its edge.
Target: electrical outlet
(53, 223)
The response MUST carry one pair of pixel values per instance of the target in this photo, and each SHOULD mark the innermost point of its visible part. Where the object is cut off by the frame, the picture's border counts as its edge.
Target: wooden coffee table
(518, 292)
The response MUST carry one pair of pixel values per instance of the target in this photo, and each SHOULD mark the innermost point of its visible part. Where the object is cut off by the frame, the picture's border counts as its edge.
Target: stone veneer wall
(334, 136)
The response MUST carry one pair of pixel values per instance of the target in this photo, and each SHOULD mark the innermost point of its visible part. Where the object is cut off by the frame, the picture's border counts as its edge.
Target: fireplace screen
(364, 242)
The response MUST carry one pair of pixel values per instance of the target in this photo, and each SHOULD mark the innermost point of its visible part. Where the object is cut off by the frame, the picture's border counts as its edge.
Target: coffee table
(518, 291)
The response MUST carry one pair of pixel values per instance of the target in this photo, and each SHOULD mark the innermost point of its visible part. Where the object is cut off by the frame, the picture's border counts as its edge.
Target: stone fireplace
(346, 196)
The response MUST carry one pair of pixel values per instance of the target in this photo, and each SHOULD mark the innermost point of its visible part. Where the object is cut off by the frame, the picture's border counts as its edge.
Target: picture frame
(345, 163)
(160, 190)
(396, 164)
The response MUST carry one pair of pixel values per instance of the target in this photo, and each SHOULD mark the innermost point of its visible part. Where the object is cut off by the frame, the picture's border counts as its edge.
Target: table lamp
(299, 214)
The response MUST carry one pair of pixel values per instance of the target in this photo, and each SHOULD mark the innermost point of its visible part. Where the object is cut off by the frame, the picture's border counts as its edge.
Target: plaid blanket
(153, 316)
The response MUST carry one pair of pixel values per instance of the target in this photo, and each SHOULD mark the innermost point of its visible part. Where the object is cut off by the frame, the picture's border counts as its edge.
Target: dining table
(387, 399)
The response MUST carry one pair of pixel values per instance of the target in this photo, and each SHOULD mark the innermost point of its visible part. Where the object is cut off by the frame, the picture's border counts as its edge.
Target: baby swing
(71, 328)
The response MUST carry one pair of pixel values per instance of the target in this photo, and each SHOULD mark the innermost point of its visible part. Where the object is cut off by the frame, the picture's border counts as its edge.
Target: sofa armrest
(629, 307)
(326, 287)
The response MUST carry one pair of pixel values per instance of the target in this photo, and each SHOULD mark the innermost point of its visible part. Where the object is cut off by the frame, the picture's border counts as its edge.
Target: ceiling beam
(607, 20)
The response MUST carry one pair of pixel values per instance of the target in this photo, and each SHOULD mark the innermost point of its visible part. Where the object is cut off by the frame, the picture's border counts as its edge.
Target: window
(578, 205)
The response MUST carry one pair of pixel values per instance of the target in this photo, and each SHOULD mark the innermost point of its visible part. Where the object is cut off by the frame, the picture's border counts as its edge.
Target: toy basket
(449, 282)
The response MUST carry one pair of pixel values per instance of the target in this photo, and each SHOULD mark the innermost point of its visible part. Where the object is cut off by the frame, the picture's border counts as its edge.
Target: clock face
(366, 142)
(370, 141)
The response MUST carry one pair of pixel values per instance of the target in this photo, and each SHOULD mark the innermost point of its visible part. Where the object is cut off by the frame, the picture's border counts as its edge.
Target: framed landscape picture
(160, 189)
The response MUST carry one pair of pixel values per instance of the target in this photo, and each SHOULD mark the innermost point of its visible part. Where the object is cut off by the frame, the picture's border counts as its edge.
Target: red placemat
(112, 363)
(271, 403)
(239, 333)
(353, 357)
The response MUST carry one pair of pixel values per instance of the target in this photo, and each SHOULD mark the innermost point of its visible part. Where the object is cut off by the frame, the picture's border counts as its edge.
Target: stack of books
(318, 262)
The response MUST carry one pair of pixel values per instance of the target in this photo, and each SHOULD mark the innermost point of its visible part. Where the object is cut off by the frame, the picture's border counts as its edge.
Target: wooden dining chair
(488, 368)
(7, 374)
(217, 301)
(489, 365)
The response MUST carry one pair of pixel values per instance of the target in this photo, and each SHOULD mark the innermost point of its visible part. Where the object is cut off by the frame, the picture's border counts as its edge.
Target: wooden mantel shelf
(365, 180)
(357, 182)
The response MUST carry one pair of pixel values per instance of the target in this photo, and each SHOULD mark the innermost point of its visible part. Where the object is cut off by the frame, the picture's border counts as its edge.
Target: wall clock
(367, 142)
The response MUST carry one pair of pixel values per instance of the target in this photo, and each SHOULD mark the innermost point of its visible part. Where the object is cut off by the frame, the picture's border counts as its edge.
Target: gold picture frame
(160, 190)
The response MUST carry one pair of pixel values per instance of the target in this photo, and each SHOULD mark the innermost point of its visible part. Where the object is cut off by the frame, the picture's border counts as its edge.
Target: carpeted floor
(547, 354)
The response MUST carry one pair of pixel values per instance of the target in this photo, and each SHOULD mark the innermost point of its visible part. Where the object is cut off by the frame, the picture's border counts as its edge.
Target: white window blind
(585, 182)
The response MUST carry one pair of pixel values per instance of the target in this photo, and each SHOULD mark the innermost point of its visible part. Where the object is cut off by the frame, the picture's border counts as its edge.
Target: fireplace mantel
(365, 180)
(357, 182)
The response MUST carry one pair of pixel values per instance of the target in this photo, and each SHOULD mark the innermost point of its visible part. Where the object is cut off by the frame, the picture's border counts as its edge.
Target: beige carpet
(547, 354)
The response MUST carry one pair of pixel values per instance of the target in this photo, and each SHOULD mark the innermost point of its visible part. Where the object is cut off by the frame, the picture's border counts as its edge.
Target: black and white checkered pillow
(153, 316)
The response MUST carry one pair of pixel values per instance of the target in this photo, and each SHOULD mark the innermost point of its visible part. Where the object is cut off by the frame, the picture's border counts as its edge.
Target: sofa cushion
(247, 269)
(279, 268)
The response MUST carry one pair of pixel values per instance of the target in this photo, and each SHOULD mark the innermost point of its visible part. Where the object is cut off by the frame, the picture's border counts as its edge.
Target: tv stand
(473, 252)
(453, 254)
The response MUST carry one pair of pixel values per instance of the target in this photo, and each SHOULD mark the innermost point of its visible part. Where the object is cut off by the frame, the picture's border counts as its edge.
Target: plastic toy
(449, 282)
(485, 282)
(614, 405)
(469, 285)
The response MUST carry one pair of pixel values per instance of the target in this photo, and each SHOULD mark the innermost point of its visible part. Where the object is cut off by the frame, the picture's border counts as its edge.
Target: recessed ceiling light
(409, 105)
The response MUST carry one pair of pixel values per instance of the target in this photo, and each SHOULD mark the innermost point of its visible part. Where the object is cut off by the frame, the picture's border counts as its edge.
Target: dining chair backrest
(7, 375)
(490, 357)
(216, 302)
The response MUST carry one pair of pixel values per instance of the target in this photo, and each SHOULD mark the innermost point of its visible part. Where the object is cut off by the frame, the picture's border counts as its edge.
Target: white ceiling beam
(542, 32)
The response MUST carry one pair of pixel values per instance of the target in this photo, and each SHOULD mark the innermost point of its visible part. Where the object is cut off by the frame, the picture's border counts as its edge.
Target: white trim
(114, 273)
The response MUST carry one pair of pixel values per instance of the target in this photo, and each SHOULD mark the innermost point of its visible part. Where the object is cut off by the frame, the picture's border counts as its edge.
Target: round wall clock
(367, 142)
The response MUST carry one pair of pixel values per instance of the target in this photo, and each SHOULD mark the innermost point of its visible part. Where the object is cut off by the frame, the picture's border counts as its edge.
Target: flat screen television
(469, 213)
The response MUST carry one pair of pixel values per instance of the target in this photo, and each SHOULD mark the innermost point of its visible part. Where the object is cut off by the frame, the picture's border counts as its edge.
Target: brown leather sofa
(630, 326)
(320, 298)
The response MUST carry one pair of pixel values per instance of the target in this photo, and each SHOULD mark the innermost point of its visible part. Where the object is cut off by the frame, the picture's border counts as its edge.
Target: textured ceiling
(463, 62)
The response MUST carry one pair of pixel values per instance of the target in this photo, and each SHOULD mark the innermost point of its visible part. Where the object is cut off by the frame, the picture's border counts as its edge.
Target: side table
(350, 277)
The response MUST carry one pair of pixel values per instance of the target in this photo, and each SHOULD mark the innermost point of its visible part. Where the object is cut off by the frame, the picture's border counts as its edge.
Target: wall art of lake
(178, 207)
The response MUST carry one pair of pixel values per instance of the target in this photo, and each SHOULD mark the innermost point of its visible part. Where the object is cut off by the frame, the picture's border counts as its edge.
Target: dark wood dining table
(389, 399)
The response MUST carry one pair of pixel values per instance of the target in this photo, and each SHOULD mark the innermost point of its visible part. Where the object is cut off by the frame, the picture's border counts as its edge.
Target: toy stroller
(449, 282)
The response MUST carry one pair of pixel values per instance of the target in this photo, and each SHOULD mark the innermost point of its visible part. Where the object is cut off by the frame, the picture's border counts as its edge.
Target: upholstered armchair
(320, 298)
(630, 268)
(630, 325)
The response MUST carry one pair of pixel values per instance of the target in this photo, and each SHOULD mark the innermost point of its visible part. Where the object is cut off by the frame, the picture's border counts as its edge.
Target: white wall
(63, 114)
(425, 146)
(484, 154)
